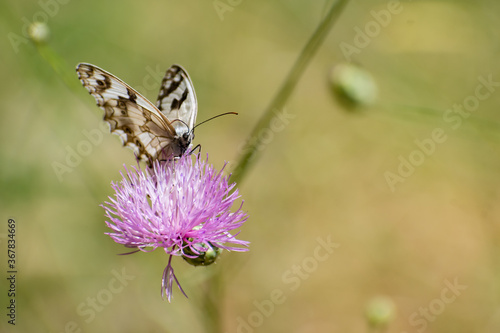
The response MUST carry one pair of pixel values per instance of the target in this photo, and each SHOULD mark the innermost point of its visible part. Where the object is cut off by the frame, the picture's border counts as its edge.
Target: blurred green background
(323, 174)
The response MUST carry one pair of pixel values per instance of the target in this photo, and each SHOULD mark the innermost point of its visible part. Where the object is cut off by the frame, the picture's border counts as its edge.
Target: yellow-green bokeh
(322, 174)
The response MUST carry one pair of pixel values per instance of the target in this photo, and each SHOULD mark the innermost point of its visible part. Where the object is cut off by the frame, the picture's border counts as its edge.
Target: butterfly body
(180, 144)
(164, 131)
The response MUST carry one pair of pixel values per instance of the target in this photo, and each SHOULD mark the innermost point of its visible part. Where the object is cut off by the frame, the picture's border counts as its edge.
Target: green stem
(249, 152)
(59, 65)
(212, 303)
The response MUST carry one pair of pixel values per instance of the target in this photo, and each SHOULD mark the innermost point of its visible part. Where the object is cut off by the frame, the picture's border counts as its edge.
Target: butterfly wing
(177, 99)
(137, 122)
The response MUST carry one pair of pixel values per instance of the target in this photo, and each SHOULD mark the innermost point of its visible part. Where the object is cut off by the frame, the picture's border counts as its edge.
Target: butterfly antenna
(181, 122)
(217, 116)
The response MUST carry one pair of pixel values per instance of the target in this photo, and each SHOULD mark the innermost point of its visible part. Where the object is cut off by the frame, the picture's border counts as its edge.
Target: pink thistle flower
(182, 206)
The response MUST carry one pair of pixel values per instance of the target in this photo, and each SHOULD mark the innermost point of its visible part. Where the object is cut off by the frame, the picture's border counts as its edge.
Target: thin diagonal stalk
(214, 295)
(250, 150)
(59, 66)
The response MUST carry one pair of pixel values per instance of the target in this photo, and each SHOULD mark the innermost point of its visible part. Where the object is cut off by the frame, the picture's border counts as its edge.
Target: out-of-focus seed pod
(352, 85)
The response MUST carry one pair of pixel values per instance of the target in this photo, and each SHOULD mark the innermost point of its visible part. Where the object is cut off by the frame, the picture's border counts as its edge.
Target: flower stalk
(250, 150)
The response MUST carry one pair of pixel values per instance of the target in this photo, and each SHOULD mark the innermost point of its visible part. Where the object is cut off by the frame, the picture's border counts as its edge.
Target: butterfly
(164, 131)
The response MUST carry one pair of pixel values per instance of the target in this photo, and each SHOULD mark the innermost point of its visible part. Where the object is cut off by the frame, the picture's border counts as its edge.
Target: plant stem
(212, 303)
(249, 152)
(59, 66)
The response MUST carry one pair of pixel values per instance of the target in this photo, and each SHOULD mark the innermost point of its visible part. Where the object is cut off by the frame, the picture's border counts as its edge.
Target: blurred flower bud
(380, 311)
(39, 32)
(352, 85)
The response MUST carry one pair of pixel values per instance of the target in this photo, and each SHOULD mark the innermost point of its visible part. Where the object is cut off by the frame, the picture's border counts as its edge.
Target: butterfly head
(184, 141)
(183, 138)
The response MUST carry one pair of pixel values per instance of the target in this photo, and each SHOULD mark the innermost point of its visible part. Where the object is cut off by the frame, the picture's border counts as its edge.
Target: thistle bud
(207, 255)
(39, 32)
(380, 311)
(353, 85)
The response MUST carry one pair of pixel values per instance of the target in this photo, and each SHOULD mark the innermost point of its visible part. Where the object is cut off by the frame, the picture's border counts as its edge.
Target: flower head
(182, 206)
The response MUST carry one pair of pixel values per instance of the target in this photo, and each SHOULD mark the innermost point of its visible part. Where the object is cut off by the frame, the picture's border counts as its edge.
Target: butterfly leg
(198, 146)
